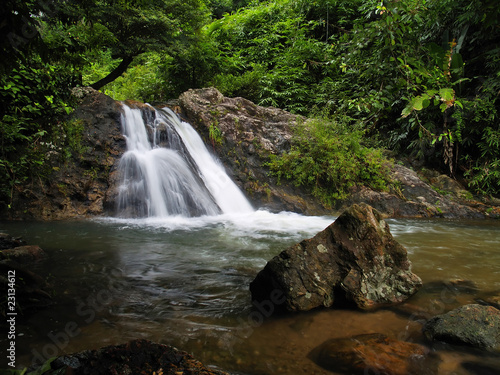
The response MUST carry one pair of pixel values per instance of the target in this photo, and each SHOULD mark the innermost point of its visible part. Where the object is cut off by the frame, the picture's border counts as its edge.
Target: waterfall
(167, 170)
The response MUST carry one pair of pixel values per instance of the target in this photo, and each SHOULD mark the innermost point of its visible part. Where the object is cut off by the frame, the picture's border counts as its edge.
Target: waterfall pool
(184, 281)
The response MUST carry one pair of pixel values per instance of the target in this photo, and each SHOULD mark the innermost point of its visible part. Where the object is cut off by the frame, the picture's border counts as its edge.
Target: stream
(184, 282)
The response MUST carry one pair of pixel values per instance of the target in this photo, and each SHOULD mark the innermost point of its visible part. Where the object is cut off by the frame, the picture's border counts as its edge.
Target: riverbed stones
(9, 242)
(135, 357)
(374, 353)
(23, 254)
(355, 258)
(472, 325)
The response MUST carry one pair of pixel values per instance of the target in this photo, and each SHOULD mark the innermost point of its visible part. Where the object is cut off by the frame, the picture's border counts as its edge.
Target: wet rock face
(245, 137)
(472, 325)
(81, 185)
(374, 354)
(356, 258)
(417, 198)
(249, 134)
(134, 357)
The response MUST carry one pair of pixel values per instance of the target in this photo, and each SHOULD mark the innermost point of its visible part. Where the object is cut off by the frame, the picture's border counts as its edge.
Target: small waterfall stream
(167, 170)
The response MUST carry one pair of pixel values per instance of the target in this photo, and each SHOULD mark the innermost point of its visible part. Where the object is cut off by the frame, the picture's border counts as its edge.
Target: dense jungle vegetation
(418, 77)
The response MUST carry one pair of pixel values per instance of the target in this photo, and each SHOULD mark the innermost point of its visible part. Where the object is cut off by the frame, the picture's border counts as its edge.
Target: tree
(128, 28)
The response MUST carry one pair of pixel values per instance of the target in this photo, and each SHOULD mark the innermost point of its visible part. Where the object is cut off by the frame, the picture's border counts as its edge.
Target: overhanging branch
(117, 72)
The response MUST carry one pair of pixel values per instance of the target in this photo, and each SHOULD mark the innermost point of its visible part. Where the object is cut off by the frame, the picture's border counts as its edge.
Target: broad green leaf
(417, 103)
(457, 62)
(406, 112)
(447, 94)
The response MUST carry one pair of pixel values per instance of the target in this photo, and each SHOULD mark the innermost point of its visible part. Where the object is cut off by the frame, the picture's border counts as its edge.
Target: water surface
(185, 282)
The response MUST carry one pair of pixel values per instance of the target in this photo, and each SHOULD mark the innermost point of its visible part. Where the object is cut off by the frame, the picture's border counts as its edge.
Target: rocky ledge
(250, 133)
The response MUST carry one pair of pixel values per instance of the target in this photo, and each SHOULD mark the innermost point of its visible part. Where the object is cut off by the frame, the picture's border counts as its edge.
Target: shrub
(329, 158)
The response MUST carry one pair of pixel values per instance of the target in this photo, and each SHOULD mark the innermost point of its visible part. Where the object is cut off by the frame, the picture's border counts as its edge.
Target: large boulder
(356, 258)
(472, 325)
(374, 353)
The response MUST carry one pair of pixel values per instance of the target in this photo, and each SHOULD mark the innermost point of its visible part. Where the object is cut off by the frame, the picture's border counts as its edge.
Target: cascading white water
(167, 170)
(225, 192)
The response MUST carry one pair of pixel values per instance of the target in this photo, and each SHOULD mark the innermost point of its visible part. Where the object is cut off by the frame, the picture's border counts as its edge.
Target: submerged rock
(476, 368)
(9, 242)
(374, 354)
(30, 290)
(356, 258)
(472, 325)
(135, 357)
(23, 254)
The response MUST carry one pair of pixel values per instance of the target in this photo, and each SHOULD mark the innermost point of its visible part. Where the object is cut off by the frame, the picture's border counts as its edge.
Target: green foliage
(221, 7)
(80, 31)
(154, 76)
(141, 81)
(33, 102)
(269, 55)
(329, 158)
(215, 135)
(50, 48)
(246, 85)
(421, 77)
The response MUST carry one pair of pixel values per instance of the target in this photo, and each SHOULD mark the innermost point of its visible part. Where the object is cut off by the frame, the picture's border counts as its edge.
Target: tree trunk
(117, 72)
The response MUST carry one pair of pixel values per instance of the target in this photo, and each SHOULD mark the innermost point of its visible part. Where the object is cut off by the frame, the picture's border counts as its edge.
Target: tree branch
(117, 72)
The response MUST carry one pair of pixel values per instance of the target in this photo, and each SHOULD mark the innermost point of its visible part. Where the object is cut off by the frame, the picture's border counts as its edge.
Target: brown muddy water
(184, 282)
